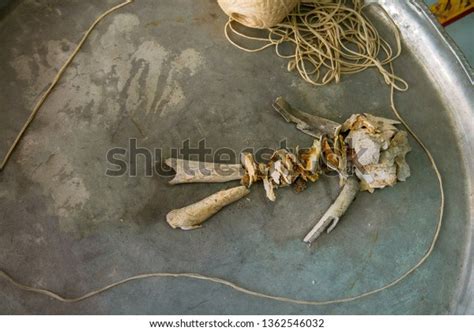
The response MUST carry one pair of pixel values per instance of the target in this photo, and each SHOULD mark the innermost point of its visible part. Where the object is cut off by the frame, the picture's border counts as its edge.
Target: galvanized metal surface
(450, 71)
(163, 72)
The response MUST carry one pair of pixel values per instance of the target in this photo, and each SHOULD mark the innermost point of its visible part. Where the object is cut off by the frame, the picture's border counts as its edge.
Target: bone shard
(269, 189)
(330, 219)
(309, 157)
(379, 149)
(312, 125)
(389, 167)
(396, 153)
(376, 176)
(251, 169)
(370, 122)
(366, 147)
(192, 216)
(188, 171)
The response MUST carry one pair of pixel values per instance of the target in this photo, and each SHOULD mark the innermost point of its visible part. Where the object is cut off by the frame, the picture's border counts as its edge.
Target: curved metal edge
(453, 77)
(463, 302)
(450, 43)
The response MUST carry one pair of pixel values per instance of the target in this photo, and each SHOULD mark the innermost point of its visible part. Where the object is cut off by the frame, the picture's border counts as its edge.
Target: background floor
(462, 33)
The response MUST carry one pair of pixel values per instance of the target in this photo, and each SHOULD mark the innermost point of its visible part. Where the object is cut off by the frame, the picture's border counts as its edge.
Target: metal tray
(162, 72)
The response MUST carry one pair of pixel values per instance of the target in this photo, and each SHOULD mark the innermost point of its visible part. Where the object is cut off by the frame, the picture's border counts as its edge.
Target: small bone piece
(203, 172)
(312, 125)
(192, 216)
(309, 157)
(335, 212)
(250, 167)
(366, 146)
(389, 167)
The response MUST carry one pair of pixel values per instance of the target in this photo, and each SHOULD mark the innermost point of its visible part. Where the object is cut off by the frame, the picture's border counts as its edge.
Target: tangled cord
(327, 40)
(390, 78)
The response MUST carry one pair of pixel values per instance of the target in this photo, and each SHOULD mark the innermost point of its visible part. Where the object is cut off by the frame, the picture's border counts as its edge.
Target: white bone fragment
(192, 216)
(188, 171)
(392, 165)
(396, 153)
(377, 176)
(335, 211)
(312, 125)
(275, 172)
(366, 146)
(269, 188)
(250, 166)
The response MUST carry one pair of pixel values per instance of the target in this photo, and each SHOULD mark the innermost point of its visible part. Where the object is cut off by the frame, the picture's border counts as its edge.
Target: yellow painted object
(448, 11)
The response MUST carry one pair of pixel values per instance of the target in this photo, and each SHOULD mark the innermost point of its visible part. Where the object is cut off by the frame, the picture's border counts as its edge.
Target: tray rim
(461, 73)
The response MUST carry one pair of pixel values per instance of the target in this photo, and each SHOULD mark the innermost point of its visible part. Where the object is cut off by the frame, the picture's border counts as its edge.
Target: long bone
(192, 216)
(188, 171)
(312, 125)
(331, 217)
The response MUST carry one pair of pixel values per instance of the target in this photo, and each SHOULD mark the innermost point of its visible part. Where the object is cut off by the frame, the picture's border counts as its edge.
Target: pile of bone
(370, 147)
(367, 152)
(380, 150)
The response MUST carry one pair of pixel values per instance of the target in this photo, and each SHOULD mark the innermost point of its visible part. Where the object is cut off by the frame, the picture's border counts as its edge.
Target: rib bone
(192, 216)
(312, 125)
(335, 212)
(203, 172)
